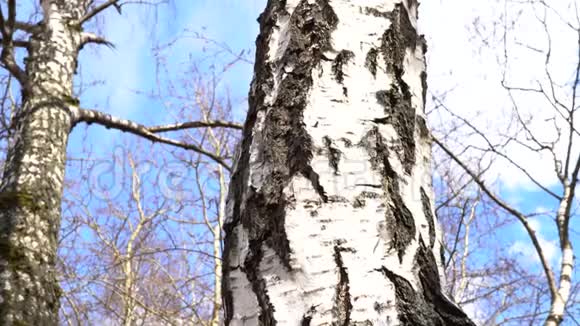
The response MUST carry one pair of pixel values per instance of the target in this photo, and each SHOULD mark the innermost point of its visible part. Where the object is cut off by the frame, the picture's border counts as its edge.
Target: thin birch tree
(539, 77)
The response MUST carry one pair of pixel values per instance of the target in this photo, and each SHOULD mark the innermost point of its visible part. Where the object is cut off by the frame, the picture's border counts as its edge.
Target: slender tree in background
(540, 78)
(330, 217)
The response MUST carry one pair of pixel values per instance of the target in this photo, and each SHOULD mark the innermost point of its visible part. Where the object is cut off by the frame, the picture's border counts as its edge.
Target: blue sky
(130, 67)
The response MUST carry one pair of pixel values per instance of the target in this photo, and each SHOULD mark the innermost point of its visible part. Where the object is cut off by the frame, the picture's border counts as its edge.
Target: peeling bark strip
(322, 215)
(34, 171)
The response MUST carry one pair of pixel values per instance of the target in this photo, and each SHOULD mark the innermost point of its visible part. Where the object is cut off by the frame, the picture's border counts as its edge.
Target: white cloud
(527, 254)
(468, 60)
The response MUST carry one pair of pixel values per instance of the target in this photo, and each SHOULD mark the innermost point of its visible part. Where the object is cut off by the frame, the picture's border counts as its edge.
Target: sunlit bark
(330, 218)
(31, 189)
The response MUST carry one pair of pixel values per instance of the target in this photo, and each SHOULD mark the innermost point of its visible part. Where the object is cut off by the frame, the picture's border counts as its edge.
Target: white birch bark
(31, 186)
(329, 217)
(561, 294)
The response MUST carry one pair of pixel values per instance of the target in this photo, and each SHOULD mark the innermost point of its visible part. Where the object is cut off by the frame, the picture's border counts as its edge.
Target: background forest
(141, 235)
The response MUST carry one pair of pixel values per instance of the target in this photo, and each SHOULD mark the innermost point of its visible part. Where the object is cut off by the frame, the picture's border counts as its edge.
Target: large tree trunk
(31, 188)
(329, 217)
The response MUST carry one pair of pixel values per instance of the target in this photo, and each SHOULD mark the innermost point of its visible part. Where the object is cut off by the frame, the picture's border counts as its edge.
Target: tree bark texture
(329, 216)
(31, 188)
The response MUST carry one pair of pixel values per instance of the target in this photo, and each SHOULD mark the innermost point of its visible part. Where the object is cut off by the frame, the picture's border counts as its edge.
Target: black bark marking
(448, 311)
(428, 307)
(371, 61)
(337, 199)
(342, 58)
(442, 254)
(400, 36)
(347, 142)
(251, 268)
(397, 101)
(359, 201)
(332, 153)
(402, 116)
(371, 11)
(309, 173)
(368, 185)
(399, 218)
(429, 216)
(383, 120)
(342, 306)
(555, 319)
(565, 278)
(287, 147)
(424, 82)
(307, 317)
(422, 126)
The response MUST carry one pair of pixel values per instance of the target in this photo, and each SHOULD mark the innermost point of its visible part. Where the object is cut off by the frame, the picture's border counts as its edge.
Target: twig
(197, 124)
(96, 11)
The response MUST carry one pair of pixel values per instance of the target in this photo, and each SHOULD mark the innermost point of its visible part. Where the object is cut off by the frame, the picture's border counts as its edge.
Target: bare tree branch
(508, 208)
(26, 27)
(108, 121)
(87, 37)
(17, 43)
(7, 54)
(494, 149)
(197, 124)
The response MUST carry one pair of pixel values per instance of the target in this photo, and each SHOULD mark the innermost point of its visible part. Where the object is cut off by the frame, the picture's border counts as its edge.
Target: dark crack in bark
(251, 268)
(342, 305)
(429, 216)
(398, 218)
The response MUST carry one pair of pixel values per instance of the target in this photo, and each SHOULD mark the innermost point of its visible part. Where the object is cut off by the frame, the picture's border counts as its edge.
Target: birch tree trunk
(31, 186)
(329, 217)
